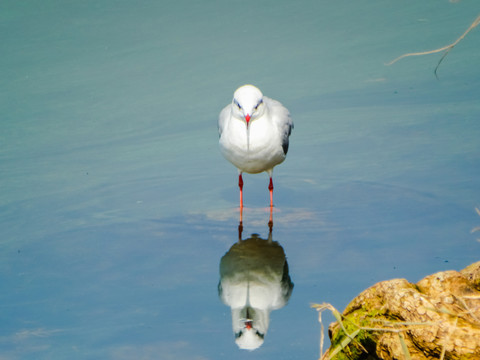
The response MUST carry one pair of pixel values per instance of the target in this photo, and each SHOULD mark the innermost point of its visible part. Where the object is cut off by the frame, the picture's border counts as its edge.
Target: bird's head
(250, 327)
(248, 103)
(249, 338)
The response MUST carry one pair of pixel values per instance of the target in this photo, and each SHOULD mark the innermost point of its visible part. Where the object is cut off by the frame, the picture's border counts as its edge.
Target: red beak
(248, 324)
(247, 118)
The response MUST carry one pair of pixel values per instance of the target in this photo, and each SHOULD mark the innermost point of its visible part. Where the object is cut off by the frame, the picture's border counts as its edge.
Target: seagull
(254, 132)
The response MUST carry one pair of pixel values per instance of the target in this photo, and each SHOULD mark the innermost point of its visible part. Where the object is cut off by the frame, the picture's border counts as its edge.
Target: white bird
(254, 131)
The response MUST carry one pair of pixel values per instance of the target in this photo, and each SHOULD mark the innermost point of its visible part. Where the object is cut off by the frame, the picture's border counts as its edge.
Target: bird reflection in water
(254, 280)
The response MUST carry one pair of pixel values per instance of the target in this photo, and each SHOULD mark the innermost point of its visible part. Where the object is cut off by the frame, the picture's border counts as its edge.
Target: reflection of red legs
(270, 188)
(240, 229)
(270, 221)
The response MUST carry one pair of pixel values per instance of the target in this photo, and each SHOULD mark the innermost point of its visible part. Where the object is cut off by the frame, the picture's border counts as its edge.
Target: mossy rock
(438, 316)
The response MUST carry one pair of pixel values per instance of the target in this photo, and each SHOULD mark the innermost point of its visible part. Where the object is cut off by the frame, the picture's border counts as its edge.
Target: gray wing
(281, 117)
(287, 130)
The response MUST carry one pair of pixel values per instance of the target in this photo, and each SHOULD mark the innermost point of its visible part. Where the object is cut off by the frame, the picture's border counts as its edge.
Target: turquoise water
(116, 206)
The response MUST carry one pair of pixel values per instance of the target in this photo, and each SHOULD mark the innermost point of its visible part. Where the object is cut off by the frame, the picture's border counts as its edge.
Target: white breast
(260, 147)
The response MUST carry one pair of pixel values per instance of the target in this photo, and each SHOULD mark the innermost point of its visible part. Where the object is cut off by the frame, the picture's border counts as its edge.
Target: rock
(437, 317)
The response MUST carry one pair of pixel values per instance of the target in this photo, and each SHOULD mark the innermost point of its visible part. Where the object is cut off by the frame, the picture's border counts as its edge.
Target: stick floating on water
(445, 48)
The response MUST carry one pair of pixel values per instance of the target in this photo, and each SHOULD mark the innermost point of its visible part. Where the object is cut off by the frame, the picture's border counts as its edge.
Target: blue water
(116, 206)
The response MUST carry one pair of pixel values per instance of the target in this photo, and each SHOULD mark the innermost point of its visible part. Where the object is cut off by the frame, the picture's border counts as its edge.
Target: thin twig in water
(445, 48)
(349, 337)
(322, 333)
(478, 227)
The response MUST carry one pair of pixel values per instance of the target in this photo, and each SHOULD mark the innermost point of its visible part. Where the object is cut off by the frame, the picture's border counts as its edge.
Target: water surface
(116, 206)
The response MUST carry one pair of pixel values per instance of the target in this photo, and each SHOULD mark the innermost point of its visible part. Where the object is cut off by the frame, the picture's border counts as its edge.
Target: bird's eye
(259, 103)
(238, 105)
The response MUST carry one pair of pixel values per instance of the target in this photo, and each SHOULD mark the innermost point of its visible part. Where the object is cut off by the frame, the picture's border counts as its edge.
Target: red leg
(270, 188)
(240, 185)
